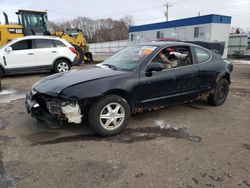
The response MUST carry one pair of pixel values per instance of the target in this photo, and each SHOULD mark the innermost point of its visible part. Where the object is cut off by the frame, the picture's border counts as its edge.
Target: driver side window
(22, 45)
(173, 57)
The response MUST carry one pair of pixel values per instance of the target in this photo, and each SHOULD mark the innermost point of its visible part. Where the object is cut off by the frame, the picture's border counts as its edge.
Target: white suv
(36, 53)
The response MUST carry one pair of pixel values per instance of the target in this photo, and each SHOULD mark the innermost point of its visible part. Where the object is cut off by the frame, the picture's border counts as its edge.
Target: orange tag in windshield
(147, 51)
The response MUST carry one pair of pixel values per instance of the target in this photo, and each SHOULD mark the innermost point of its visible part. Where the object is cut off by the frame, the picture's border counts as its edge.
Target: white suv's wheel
(62, 66)
(109, 115)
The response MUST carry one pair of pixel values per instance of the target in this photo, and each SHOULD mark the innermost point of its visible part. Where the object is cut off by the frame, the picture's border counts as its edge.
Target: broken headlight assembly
(70, 110)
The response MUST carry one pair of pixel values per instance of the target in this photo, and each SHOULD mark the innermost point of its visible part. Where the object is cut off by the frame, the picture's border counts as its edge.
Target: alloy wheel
(62, 67)
(112, 116)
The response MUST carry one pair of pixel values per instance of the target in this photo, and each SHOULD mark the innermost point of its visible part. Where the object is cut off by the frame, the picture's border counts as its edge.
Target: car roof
(163, 43)
(40, 37)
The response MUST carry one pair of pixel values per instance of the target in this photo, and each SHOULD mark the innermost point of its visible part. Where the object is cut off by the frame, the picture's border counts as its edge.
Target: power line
(113, 14)
(134, 10)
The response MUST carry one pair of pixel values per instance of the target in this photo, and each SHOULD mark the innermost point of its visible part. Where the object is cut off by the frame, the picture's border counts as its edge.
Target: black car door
(209, 68)
(171, 85)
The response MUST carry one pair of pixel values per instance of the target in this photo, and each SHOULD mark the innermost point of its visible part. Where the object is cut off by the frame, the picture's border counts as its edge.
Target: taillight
(72, 49)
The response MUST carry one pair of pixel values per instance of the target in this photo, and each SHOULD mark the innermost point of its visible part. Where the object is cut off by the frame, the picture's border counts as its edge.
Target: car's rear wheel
(61, 65)
(220, 93)
(109, 115)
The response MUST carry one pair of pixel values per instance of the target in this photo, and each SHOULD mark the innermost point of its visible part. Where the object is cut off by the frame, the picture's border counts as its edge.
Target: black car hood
(53, 85)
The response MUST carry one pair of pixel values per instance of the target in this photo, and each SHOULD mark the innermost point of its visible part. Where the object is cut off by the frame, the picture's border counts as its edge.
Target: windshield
(35, 22)
(129, 58)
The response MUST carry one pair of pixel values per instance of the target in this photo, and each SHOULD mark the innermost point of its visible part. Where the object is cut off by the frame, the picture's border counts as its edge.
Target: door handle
(30, 53)
(53, 51)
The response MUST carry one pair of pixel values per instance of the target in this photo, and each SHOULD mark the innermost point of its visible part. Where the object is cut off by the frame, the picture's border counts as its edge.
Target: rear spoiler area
(216, 47)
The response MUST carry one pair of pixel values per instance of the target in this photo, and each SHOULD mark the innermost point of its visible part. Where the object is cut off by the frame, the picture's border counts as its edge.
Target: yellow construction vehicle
(75, 37)
(35, 23)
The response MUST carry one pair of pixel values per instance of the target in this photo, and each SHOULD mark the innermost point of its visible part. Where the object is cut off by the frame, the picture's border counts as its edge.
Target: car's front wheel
(109, 115)
(220, 93)
(61, 65)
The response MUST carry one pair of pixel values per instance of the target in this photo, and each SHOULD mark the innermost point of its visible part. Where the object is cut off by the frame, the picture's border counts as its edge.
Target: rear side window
(202, 55)
(59, 43)
(44, 43)
(22, 45)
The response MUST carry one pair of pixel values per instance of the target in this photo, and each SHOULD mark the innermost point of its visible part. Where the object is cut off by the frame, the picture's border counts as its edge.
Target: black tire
(1, 72)
(100, 107)
(80, 54)
(220, 93)
(59, 63)
(89, 57)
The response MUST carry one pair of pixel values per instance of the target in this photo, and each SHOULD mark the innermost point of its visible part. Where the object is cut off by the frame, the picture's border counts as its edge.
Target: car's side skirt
(27, 69)
(170, 96)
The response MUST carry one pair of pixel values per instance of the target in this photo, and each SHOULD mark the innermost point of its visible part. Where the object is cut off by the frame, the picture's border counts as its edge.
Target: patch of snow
(240, 62)
(7, 92)
(7, 96)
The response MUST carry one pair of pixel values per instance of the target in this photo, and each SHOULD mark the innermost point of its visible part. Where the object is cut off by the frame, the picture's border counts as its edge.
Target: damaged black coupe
(137, 78)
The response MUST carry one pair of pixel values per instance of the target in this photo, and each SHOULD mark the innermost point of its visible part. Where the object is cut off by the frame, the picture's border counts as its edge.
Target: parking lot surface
(189, 145)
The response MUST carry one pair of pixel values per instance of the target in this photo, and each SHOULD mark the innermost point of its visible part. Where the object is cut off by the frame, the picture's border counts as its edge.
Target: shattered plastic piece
(162, 124)
(73, 113)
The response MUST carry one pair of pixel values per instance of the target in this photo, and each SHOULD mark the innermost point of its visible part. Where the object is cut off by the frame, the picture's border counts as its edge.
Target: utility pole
(166, 12)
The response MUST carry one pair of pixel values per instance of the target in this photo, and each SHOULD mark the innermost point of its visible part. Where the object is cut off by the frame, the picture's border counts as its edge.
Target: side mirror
(8, 49)
(155, 66)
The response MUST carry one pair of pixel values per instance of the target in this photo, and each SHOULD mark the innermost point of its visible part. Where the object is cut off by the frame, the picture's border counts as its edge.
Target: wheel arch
(225, 76)
(61, 58)
(124, 94)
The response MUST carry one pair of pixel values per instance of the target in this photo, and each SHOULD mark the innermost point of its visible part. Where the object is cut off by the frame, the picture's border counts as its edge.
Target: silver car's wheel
(112, 116)
(109, 115)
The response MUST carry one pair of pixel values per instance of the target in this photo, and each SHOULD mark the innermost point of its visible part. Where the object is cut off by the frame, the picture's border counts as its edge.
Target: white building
(202, 28)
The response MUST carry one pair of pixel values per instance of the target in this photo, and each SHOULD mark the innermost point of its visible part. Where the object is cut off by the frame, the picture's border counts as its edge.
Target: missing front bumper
(53, 110)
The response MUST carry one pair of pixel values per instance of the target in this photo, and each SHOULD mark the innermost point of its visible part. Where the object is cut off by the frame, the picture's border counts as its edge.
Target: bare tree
(99, 30)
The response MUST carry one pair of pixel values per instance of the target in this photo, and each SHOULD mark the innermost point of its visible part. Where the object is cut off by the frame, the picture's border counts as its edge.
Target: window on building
(132, 37)
(199, 32)
(159, 34)
(202, 32)
(196, 31)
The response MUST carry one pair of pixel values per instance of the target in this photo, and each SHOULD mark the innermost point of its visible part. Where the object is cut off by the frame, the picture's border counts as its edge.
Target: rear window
(202, 55)
(44, 43)
(59, 43)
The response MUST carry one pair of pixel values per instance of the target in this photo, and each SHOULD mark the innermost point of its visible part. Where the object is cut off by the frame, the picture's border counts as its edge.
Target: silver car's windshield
(128, 58)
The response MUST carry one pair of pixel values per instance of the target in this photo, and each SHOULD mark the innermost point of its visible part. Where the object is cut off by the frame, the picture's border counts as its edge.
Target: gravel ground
(189, 145)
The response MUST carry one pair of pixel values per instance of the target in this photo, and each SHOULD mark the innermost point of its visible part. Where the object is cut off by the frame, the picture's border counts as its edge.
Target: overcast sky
(143, 11)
